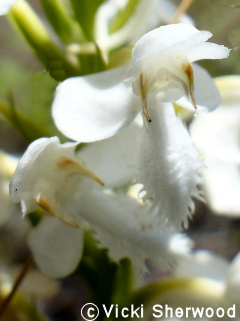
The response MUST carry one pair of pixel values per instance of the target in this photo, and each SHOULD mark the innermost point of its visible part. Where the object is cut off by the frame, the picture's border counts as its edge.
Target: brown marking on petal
(144, 100)
(189, 72)
(65, 163)
(45, 205)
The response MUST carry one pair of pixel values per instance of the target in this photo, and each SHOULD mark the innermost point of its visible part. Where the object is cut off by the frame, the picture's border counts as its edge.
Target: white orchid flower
(5, 6)
(216, 135)
(97, 106)
(49, 175)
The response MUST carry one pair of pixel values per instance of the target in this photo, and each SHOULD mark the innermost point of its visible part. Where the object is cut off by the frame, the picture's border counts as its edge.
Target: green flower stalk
(60, 64)
(62, 22)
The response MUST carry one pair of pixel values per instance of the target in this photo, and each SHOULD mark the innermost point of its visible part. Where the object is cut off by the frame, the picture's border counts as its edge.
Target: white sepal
(180, 37)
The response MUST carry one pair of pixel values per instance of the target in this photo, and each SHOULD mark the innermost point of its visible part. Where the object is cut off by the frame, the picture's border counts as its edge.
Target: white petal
(168, 167)
(206, 92)
(94, 107)
(57, 247)
(5, 5)
(114, 159)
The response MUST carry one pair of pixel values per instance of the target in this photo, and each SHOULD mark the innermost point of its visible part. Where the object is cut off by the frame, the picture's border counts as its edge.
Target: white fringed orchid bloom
(161, 157)
(5, 5)
(98, 106)
(49, 175)
(216, 135)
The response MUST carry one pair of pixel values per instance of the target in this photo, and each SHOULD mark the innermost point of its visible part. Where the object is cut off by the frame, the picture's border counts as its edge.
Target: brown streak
(145, 110)
(183, 7)
(26, 267)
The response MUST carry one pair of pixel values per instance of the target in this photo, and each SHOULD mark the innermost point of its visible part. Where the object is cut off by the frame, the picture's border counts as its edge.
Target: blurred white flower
(216, 136)
(5, 5)
(203, 280)
(97, 106)
(7, 166)
(148, 14)
(222, 274)
(51, 176)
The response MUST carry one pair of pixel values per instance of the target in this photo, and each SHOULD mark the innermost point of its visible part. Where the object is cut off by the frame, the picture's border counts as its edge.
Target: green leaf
(123, 15)
(84, 11)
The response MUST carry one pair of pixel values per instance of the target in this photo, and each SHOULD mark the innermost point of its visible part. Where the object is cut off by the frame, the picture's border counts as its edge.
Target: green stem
(67, 29)
(61, 66)
(29, 130)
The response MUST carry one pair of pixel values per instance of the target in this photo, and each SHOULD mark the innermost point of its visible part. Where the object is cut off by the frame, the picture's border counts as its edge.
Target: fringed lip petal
(168, 168)
(127, 229)
(94, 107)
